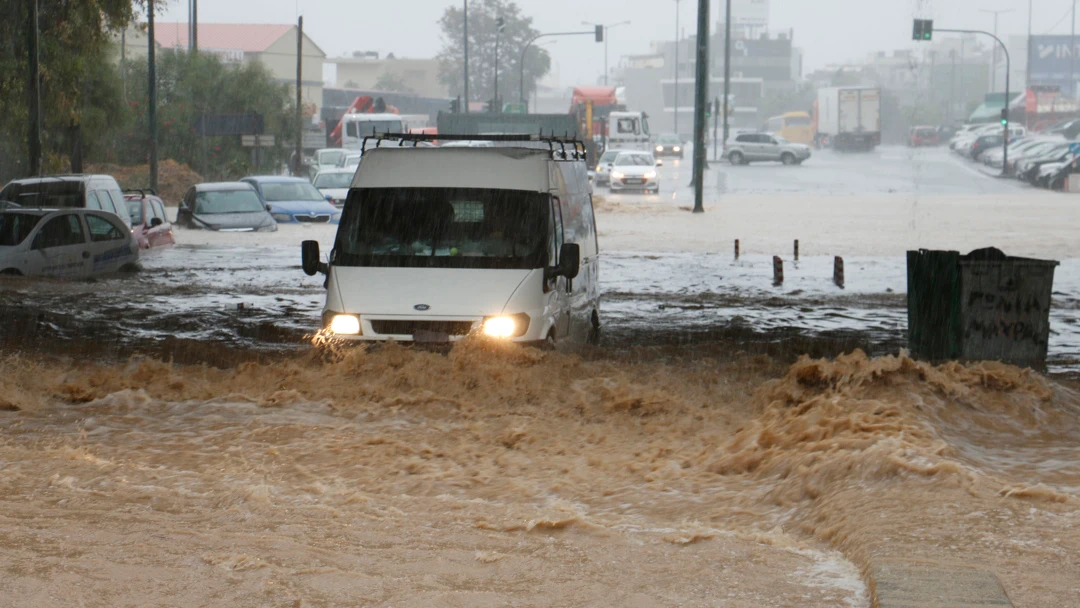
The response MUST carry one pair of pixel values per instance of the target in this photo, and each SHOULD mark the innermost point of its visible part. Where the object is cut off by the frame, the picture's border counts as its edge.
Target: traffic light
(924, 29)
(599, 33)
(500, 24)
(1004, 117)
(708, 110)
(455, 106)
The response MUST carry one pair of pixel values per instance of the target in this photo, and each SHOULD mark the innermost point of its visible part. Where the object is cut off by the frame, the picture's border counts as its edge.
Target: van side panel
(579, 226)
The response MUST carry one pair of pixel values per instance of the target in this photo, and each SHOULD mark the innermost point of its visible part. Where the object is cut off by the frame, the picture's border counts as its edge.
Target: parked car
(753, 147)
(328, 158)
(68, 243)
(226, 207)
(634, 171)
(293, 200)
(1028, 168)
(984, 143)
(350, 161)
(603, 166)
(149, 223)
(68, 192)
(922, 136)
(334, 184)
(668, 144)
(1039, 147)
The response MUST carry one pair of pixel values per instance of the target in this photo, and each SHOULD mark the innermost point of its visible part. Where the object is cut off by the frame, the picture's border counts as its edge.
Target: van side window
(107, 203)
(556, 232)
(92, 201)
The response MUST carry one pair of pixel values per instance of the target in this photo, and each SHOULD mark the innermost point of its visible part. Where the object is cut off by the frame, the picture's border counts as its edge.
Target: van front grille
(408, 327)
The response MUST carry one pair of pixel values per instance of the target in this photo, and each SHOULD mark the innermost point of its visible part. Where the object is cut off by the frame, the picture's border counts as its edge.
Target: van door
(557, 288)
(59, 248)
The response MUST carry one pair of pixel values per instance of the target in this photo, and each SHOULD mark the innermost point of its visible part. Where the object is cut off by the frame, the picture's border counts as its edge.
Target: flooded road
(171, 438)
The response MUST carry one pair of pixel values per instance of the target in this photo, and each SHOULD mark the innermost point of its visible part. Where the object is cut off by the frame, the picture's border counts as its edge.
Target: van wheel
(594, 330)
(787, 158)
(736, 158)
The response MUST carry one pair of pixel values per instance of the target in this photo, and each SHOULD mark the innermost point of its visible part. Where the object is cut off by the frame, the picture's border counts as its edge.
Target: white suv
(751, 147)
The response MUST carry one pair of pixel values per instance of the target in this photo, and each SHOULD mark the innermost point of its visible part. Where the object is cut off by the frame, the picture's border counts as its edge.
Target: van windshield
(444, 228)
(53, 194)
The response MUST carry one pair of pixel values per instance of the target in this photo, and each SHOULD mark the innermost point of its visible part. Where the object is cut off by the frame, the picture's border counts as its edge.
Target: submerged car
(754, 147)
(293, 200)
(225, 206)
(634, 171)
(66, 243)
(334, 184)
(149, 223)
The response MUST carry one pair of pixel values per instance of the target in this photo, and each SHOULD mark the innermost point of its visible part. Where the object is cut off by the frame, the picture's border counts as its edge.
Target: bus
(795, 127)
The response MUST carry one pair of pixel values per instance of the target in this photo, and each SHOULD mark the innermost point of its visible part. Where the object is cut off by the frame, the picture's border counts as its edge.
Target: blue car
(293, 200)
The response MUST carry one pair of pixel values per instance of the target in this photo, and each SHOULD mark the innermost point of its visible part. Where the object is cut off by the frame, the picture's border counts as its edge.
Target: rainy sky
(829, 31)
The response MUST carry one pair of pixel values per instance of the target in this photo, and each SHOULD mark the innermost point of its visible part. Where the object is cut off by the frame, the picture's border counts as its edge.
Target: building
(274, 46)
(368, 71)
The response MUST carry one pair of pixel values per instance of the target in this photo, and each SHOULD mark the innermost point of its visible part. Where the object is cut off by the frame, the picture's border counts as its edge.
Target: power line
(1068, 11)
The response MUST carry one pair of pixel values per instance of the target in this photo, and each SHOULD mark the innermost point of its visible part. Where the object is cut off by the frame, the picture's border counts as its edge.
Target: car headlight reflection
(677, 149)
(505, 327)
(617, 175)
(346, 325)
(650, 175)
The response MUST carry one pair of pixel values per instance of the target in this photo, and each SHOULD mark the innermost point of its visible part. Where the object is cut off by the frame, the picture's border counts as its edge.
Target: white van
(356, 127)
(438, 243)
(629, 131)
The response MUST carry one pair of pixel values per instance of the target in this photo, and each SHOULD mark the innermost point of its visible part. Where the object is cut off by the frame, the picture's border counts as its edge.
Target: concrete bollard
(736, 249)
(838, 272)
(777, 270)
(796, 250)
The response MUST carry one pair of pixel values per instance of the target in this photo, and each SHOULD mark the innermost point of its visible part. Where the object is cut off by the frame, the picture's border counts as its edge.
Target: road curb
(908, 584)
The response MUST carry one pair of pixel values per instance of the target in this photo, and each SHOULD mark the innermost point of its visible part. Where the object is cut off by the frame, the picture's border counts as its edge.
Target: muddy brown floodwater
(501, 476)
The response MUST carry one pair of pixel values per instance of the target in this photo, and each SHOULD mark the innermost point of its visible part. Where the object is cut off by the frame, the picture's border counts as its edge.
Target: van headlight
(504, 327)
(346, 325)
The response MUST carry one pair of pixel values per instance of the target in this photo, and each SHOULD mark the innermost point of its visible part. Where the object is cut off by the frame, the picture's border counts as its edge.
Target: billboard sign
(750, 13)
(1052, 59)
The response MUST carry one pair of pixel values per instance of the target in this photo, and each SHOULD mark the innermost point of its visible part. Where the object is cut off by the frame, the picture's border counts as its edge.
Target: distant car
(68, 192)
(634, 171)
(68, 243)
(334, 184)
(922, 136)
(603, 166)
(293, 200)
(225, 207)
(984, 143)
(668, 145)
(328, 158)
(752, 147)
(149, 223)
(350, 161)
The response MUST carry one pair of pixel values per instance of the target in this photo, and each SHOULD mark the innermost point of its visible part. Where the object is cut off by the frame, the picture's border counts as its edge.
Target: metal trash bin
(982, 306)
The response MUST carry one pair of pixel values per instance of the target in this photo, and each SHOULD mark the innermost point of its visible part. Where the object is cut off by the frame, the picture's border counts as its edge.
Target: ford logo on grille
(422, 307)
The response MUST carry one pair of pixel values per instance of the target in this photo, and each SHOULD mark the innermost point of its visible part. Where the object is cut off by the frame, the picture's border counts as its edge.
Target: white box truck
(849, 118)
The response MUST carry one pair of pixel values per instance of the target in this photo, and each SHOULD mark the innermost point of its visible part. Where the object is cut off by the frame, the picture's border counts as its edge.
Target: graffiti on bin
(1012, 315)
(1006, 303)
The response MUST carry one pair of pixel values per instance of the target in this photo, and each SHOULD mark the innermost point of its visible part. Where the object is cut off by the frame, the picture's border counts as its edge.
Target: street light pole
(33, 44)
(466, 28)
(993, 71)
(727, 69)
(521, 64)
(677, 66)
(151, 111)
(701, 93)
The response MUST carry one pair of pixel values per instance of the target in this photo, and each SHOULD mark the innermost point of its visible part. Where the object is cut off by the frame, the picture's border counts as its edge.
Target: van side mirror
(569, 262)
(309, 255)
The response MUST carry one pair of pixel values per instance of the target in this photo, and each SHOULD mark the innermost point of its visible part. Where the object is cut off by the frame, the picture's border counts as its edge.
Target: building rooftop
(249, 38)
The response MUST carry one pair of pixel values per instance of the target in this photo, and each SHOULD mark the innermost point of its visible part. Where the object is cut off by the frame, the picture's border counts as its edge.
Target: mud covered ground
(402, 478)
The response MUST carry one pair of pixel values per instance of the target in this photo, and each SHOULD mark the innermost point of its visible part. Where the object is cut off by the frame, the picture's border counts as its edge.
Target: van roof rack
(560, 148)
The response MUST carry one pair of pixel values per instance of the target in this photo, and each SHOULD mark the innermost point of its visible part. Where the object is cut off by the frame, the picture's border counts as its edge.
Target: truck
(848, 119)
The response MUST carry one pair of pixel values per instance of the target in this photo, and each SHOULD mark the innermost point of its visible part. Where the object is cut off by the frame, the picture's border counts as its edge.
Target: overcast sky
(829, 31)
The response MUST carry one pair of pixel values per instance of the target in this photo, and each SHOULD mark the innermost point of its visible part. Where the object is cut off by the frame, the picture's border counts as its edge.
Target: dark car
(225, 206)
(293, 200)
(668, 144)
(984, 143)
(149, 223)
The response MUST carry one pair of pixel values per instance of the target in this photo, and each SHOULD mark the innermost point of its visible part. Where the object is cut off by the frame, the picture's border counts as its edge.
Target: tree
(392, 82)
(517, 32)
(74, 40)
(190, 85)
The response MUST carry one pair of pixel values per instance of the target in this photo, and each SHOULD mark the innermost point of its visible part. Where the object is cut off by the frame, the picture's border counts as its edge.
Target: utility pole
(194, 26)
(701, 94)
(952, 89)
(300, 94)
(727, 68)
(1027, 70)
(500, 25)
(993, 70)
(466, 109)
(151, 112)
(676, 129)
(1072, 53)
(33, 49)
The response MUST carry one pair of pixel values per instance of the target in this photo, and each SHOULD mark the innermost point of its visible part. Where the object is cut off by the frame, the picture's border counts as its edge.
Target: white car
(603, 166)
(334, 184)
(67, 243)
(634, 171)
